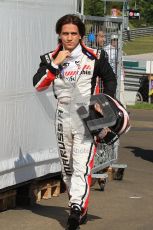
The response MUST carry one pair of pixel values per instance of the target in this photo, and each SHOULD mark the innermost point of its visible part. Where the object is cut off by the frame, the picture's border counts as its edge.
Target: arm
(46, 73)
(105, 72)
(48, 70)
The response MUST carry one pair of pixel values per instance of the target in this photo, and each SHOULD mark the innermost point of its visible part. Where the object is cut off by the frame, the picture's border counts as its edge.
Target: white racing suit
(74, 83)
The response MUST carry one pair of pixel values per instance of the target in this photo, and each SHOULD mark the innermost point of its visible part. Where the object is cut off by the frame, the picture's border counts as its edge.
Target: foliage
(96, 8)
(146, 11)
(137, 23)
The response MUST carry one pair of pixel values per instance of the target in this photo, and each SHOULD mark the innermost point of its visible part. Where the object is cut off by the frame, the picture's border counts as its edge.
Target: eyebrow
(73, 33)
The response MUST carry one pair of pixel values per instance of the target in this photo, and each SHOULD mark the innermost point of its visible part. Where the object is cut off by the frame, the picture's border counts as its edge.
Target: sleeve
(46, 73)
(105, 72)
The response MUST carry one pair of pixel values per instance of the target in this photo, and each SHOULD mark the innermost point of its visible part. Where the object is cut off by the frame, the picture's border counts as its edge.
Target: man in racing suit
(73, 68)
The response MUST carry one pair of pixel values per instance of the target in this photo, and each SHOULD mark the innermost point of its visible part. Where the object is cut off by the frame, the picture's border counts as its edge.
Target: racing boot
(76, 218)
(83, 217)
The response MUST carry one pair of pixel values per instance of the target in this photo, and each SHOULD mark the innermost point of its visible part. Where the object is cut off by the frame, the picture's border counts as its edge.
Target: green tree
(94, 7)
(146, 10)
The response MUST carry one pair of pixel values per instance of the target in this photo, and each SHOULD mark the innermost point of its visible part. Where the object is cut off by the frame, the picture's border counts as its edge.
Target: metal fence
(95, 24)
(132, 78)
(106, 154)
(139, 32)
(110, 26)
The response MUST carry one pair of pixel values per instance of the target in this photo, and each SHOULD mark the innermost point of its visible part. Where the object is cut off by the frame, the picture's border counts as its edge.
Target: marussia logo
(85, 70)
(70, 73)
(86, 67)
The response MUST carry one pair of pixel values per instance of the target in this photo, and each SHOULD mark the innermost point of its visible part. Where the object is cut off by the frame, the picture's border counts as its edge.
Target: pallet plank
(7, 200)
(44, 190)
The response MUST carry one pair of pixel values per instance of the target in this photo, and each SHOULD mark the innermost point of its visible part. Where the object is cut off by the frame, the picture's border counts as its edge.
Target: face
(70, 36)
(114, 42)
(100, 39)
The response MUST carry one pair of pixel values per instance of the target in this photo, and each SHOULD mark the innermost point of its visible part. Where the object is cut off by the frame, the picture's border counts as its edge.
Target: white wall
(27, 135)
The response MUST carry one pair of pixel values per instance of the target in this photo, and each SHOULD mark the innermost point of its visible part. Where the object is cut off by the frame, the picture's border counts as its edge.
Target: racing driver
(72, 69)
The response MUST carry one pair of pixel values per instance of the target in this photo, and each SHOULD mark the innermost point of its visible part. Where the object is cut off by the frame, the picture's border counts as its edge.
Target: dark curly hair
(70, 19)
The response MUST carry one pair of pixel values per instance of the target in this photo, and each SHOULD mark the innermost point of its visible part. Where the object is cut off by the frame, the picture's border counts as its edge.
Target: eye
(74, 33)
(65, 33)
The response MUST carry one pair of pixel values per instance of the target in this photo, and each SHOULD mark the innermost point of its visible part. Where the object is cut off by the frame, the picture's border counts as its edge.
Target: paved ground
(126, 205)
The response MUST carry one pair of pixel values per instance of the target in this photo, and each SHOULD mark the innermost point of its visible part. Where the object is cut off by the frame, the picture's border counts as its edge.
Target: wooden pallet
(44, 190)
(110, 172)
(115, 171)
(7, 200)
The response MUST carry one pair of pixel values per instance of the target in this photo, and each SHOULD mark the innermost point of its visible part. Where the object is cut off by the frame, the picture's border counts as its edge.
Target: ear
(59, 39)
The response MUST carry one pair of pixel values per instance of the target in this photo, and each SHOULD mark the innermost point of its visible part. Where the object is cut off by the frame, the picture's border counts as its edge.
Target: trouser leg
(77, 154)
(64, 139)
(83, 153)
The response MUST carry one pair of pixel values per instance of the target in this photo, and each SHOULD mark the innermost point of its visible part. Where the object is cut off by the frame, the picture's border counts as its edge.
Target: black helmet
(107, 118)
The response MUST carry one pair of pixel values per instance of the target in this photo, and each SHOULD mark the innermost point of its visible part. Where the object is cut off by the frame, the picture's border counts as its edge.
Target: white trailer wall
(27, 137)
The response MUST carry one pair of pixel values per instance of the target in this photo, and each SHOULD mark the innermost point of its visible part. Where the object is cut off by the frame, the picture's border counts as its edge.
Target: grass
(143, 105)
(139, 46)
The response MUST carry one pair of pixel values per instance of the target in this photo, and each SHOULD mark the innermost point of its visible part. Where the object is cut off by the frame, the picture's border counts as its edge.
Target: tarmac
(146, 56)
(123, 205)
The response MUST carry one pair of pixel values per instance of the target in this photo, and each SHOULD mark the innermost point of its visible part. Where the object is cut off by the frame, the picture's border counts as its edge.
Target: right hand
(62, 55)
(103, 133)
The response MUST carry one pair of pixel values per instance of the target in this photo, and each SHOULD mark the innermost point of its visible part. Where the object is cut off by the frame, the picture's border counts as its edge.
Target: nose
(69, 37)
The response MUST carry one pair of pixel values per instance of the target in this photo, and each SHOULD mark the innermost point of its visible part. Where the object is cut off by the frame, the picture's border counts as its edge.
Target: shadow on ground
(145, 154)
(53, 212)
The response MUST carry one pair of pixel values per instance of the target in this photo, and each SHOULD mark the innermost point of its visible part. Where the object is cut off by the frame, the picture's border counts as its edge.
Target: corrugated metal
(27, 136)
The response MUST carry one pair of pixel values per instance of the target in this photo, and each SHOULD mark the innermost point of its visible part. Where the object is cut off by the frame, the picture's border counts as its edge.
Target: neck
(71, 50)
